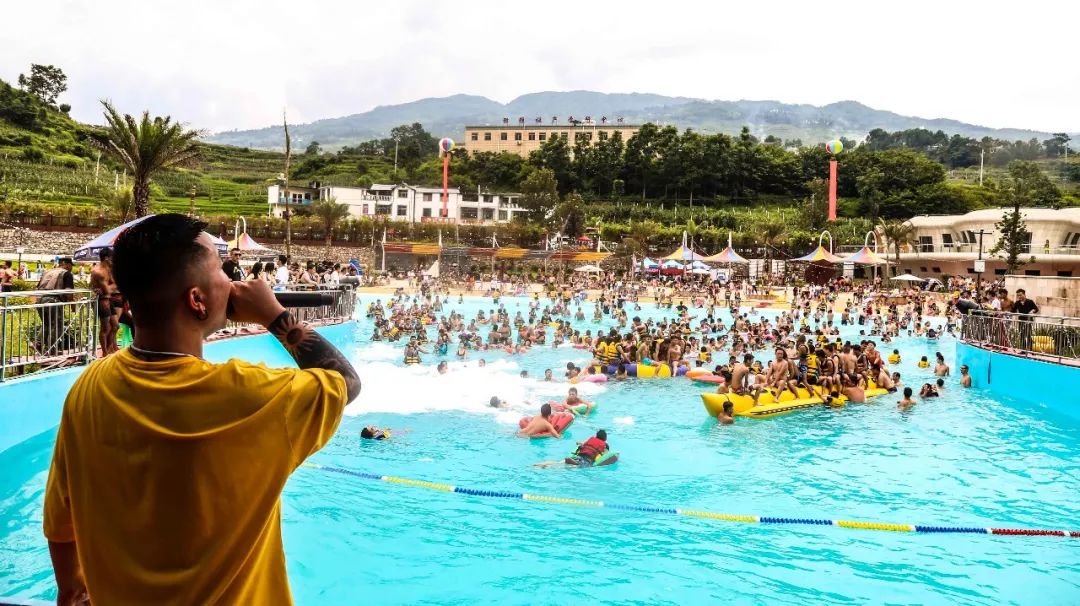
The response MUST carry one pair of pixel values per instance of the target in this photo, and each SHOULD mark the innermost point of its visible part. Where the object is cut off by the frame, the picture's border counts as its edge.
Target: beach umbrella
(684, 253)
(699, 265)
(91, 249)
(591, 269)
(908, 278)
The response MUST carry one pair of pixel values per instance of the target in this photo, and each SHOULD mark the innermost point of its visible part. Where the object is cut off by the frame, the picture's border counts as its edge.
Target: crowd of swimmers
(798, 350)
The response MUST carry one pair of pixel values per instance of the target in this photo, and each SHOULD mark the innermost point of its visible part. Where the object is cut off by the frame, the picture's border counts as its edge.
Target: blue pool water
(963, 459)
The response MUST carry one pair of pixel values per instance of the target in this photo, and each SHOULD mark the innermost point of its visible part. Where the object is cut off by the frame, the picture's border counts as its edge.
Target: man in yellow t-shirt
(167, 473)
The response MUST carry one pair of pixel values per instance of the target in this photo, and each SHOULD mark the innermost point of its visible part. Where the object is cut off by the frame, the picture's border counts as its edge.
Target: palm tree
(637, 241)
(147, 147)
(692, 230)
(330, 212)
(898, 234)
(769, 235)
(121, 201)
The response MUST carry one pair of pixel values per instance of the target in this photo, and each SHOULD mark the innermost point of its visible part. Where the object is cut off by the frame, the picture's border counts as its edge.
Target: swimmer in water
(727, 416)
(374, 433)
(548, 377)
(965, 378)
(575, 405)
(907, 402)
(497, 402)
(586, 453)
(540, 425)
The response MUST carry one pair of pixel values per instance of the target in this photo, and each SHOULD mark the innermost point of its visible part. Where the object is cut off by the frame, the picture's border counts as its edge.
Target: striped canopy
(684, 253)
(728, 255)
(246, 243)
(820, 254)
(865, 256)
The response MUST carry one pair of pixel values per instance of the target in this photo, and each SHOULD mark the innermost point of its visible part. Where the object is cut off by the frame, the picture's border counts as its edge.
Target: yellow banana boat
(769, 405)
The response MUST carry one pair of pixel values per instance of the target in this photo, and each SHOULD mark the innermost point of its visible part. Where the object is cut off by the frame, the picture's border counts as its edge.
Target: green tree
(414, 144)
(692, 230)
(570, 216)
(46, 82)
(639, 239)
(329, 211)
(147, 147)
(554, 155)
(122, 202)
(1014, 239)
(1025, 186)
(898, 234)
(313, 149)
(540, 195)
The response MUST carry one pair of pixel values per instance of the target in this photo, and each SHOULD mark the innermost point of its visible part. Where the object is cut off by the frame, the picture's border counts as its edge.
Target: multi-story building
(402, 202)
(949, 244)
(523, 138)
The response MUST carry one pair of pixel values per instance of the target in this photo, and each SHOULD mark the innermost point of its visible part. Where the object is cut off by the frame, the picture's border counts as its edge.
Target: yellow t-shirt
(168, 475)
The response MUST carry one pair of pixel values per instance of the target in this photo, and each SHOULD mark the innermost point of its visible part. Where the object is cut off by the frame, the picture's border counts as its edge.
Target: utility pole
(982, 154)
(979, 264)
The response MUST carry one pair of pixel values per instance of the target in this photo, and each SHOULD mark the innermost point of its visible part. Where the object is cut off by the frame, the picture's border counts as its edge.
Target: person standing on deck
(166, 478)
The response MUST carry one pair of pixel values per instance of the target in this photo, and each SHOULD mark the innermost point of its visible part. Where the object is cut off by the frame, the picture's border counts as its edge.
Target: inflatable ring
(559, 420)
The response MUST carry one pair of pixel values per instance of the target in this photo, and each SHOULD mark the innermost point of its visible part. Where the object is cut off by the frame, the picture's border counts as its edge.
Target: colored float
(606, 458)
(769, 405)
(647, 371)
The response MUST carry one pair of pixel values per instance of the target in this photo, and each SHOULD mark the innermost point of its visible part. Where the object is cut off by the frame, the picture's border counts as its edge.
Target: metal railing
(1047, 336)
(46, 329)
(42, 330)
(341, 310)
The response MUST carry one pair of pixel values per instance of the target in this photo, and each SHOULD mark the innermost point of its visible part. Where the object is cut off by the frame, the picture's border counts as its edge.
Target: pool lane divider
(693, 513)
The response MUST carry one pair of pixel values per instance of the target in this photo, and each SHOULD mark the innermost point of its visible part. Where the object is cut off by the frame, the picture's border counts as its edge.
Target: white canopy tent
(590, 269)
(908, 278)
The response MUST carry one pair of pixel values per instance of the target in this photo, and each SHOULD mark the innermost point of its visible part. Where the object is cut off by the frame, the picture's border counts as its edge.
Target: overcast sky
(224, 64)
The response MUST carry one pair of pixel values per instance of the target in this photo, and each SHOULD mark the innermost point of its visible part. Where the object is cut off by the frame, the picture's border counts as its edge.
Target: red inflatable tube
(559, 420)
(711, 379)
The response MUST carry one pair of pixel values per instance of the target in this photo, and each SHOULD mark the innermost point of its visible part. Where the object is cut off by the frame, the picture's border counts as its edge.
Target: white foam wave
(466, 387)
(623, 420)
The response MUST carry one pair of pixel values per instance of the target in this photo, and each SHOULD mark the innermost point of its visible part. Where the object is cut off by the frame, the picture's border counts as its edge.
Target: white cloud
(236, 63)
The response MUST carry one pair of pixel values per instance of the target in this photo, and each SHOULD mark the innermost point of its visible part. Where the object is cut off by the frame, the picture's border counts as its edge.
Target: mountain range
(448, 116)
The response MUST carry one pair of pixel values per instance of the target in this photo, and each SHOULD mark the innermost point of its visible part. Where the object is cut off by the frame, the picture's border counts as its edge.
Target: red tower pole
(832, 190)
(446, 180)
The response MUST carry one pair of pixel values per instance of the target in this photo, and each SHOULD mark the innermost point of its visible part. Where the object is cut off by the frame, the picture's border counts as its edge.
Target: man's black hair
(367, 433)
(545, 410)
(104, 253)
(601, 435)
(282, 259)
(154, 255)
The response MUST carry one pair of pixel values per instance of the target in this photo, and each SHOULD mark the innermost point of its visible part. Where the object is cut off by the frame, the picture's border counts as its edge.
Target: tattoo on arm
(311, 350)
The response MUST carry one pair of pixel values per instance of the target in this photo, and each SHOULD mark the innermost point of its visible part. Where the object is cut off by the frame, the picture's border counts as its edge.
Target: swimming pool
(963, 459)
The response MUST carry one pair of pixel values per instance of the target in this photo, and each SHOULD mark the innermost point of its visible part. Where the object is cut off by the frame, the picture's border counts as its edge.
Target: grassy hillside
(46, 157)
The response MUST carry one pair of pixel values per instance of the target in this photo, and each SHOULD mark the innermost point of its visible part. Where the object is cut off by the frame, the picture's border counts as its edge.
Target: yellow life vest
(924, 364)
(413, 359)
(894, 359)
